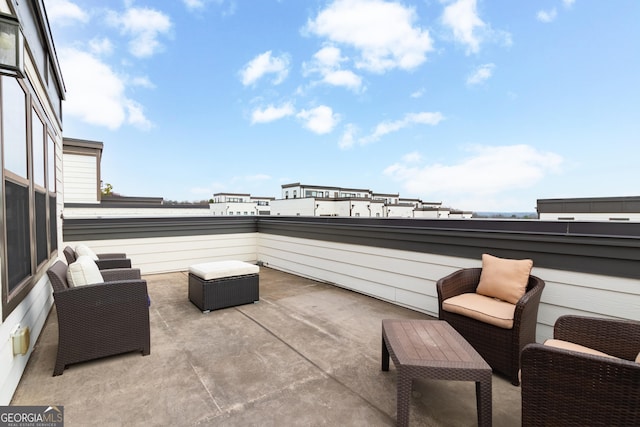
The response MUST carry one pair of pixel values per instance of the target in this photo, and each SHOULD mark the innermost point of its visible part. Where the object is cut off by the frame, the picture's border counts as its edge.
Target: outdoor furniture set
(589, 372)
(100, 312)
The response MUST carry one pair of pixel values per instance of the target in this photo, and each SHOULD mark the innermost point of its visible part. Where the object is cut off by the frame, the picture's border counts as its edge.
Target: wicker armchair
(499, 347)
(104, 261)
(100, 320)
(563, 387)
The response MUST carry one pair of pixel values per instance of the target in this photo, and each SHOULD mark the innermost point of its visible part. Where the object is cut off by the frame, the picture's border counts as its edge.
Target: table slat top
(432, 343)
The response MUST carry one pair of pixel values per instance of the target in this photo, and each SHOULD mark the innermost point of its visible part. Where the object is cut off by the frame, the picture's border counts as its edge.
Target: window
(18, 240)
(28, 206)
(37, 140)
(14, 126)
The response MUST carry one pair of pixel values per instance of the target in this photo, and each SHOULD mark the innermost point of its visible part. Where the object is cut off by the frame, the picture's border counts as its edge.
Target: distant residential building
(81, 170)
(315, 200)
(240, 204)
(623, 209)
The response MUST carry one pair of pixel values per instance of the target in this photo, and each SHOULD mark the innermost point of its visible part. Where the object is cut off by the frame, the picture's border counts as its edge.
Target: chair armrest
(616, 337)
(458, 282)
(527, 307)
(115, 274)
(111, 255)
(106, 264)
(86, 303)
(563, 387)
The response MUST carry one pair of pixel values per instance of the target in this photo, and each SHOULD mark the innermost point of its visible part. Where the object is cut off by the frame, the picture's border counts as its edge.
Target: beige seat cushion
(85, 250)
(505, 279)
(484, 309)
(84, 272)
(576, 347)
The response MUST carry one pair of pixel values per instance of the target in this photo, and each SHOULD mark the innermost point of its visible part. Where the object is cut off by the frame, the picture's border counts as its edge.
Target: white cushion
(84, 272)
(219, 269)
(85, 250)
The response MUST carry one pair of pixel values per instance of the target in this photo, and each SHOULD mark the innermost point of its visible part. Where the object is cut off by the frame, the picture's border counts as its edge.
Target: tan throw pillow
(638, 358)
(85, 250)
(505, 279)
(84, 272)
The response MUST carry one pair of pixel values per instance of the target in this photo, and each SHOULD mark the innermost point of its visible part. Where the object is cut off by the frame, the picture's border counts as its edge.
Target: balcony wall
(589, 268)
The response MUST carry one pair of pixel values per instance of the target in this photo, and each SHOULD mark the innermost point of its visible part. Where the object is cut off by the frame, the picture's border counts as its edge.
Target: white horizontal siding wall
(31, 312)
(91, 212)
(167, 254)
(409, 278)
(580, 216)
(80, 179)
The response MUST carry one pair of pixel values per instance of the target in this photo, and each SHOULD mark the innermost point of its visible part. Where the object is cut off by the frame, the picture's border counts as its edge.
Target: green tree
(107, 189)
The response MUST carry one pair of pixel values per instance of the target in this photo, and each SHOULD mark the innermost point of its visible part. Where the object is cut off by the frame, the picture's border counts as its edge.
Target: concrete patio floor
(308, 354)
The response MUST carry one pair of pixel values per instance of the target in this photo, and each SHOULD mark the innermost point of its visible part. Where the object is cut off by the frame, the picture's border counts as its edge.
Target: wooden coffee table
(433, 349)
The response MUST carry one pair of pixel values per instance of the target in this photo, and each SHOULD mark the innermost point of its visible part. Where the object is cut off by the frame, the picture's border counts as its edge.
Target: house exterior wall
(80, 178)
(617, 209)
(43, 95)
(302, 207)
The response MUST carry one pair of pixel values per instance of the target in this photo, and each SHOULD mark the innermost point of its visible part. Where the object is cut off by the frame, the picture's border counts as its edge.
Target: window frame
(38, 227)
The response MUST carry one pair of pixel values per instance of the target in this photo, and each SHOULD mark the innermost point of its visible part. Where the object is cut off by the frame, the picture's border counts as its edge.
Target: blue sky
(481, 105)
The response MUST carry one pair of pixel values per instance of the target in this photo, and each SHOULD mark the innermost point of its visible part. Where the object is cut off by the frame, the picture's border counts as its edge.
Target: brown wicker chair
(100, 320)
(499, 347)
(104, 261)
(568, 388)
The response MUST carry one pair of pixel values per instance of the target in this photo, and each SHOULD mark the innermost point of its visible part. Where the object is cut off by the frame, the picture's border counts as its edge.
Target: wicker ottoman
(215, 285)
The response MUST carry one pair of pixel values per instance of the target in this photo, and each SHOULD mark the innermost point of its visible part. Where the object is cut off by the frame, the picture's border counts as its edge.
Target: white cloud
(487, 172)
(101, 46)
(547, 15)
(320, 120)
(271, 113)
(142, 81)
(413, 157)
(348, 138)
(65, 12)
(264, 64)
(480, 74)
(194, 4)
(96, 94)
(462, 18)
(144, 26)
(418, 94)
(384, 128)
(568, 3)
(135, 115)
(382, 32)
(327, 62)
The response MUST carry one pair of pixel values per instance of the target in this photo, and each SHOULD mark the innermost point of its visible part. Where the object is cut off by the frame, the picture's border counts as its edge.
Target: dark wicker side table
(433, 349)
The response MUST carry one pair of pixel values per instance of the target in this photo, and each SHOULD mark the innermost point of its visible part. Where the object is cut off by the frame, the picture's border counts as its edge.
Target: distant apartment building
(240, 204)
(623, 209)
(314, 200)
(81, 173)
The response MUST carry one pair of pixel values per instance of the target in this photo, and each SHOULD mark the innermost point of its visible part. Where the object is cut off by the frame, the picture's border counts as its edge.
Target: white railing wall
(408, 278)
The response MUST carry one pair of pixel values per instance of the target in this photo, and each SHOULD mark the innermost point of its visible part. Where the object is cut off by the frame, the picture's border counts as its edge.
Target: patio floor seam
(328, 374)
